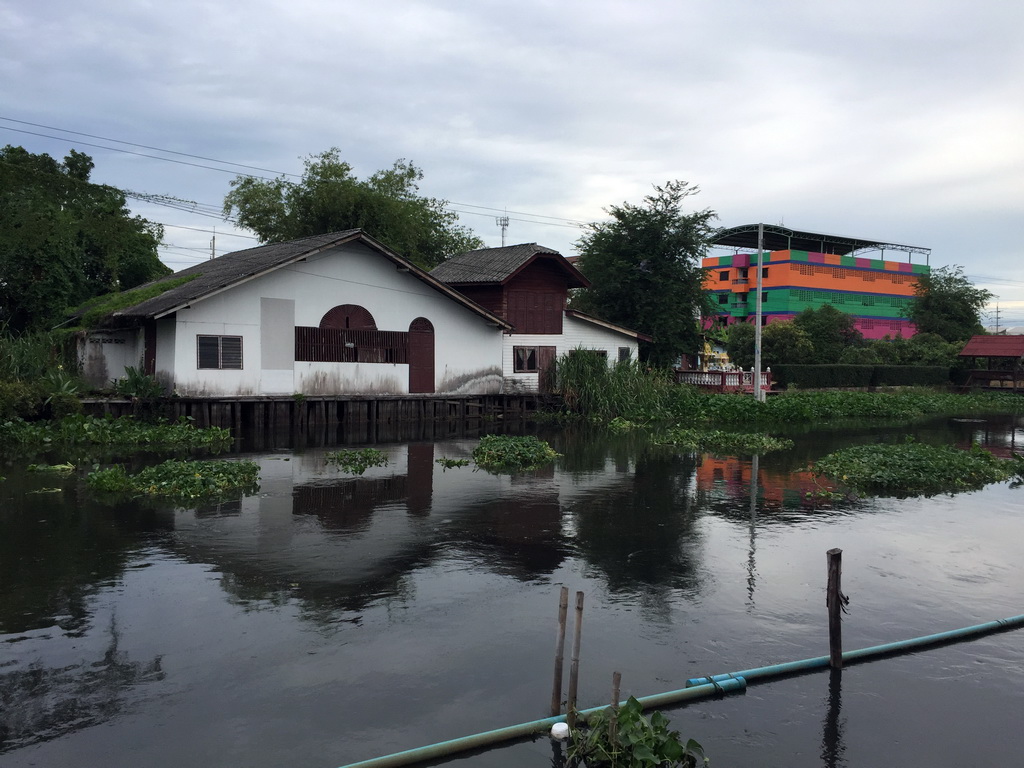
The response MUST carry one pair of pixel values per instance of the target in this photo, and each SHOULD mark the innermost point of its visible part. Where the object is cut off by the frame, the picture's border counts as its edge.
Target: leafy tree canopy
(329, 198)
(829, 331)
(947, 304)
(781, 342)
(644, 266)
(64, 239)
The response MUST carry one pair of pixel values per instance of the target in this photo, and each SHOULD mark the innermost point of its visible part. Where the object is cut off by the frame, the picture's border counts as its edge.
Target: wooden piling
(556, 690)
(574, 665)
(834, 602)
(613, 721)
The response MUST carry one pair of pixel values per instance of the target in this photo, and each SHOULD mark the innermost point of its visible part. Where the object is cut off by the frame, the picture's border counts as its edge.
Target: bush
(20, 400)
(822, 376)
(910, 375)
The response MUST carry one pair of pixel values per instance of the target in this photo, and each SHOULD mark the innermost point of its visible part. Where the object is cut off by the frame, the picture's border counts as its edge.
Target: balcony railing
(724, 381)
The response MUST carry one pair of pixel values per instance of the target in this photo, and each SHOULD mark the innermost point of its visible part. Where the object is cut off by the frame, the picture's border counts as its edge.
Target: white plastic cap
(560, 731)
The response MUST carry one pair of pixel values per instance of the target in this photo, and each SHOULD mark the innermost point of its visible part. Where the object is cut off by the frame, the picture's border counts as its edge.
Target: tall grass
(33, 356)
(590, 387)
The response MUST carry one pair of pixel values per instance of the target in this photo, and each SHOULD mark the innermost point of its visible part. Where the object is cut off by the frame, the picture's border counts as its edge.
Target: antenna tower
(502, 221)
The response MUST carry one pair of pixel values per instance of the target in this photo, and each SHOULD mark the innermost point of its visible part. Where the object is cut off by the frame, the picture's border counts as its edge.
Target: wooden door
(421, 356)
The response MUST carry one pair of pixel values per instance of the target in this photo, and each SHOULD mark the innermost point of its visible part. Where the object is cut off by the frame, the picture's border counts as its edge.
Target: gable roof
(605, 324)
(994, 346)
(231, 269)
(499, 265)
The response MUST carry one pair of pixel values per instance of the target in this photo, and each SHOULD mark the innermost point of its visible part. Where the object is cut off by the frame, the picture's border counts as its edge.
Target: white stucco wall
(575, 334)
(467, 356)
(104, 355)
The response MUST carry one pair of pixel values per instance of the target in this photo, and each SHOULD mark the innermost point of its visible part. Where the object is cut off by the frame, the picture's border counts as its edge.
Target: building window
(764, 272)
(219, 352)
(625, 354)
(723, 298)
(764, 297)
(525, 360)
(743, 273)
(723, 276)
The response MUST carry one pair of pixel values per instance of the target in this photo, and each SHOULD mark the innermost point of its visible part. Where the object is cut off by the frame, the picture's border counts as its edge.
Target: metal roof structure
(779, 238)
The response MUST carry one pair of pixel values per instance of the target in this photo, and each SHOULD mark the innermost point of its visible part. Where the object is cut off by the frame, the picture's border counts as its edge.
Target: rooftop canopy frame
(779, 238)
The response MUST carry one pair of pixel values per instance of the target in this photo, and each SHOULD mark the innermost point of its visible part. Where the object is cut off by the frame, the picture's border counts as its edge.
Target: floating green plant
(180, 479)
(357, 462)
(916, 469)
(717, 441)
(510, 453)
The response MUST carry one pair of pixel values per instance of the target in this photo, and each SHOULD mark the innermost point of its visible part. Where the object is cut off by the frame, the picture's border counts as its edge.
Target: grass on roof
(95, 310)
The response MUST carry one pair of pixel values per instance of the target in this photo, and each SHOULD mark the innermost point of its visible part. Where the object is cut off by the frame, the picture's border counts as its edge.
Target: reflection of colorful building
(731, 476)
(803, 270)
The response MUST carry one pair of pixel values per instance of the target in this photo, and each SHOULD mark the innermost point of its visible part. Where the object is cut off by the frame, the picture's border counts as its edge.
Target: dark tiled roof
(994, 346)
(497, 265)
(233, 268)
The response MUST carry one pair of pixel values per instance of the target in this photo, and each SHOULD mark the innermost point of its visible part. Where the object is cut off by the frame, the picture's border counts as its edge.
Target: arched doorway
(421, 356)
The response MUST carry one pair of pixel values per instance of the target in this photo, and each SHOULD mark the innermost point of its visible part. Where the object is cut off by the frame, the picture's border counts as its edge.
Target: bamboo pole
(556, 690)
(574, 666)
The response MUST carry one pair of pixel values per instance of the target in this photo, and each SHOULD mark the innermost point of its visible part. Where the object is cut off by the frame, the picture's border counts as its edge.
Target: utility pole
(997, 317)
(758, 392)
(213, 245)
(502, 221)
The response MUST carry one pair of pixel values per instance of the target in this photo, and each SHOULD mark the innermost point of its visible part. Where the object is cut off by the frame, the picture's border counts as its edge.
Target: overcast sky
(901, 121)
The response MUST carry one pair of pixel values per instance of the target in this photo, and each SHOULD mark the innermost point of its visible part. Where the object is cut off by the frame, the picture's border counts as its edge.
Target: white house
(331, 314)
(528, 286)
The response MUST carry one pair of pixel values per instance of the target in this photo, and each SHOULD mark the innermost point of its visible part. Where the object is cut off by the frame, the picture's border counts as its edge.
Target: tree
(830, 332)
(781, 343)
(329, 198)
(947, 304)
(645, 273)
(64, 239)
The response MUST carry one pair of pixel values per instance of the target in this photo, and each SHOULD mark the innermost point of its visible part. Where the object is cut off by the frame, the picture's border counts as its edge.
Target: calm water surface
(334, 618)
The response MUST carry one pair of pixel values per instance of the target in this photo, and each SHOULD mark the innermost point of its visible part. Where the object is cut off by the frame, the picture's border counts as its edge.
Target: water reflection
(43, 702)
(832, 745)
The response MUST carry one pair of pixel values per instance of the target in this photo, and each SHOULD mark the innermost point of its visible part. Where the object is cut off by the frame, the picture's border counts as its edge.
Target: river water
(333, 618)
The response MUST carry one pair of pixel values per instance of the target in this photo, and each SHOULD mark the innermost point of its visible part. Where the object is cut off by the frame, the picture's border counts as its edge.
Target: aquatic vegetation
(717, 441)
(356, 462)
(508, 453)
(913, 469)
(182, 480)
(123, 432)
(627, 739)
(447, 463)
(66, 467)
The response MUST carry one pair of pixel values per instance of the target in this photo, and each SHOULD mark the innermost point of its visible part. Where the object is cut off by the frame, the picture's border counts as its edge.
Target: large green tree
(947, 304)
(829, 331)
(64, 239)
(645, 272)
(329, 198)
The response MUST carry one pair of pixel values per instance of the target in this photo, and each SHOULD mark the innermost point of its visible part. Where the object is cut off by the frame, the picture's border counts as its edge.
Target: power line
(570, 223)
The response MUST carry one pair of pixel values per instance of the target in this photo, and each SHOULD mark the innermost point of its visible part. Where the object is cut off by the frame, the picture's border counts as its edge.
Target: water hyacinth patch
(508, 453)
(916, 469)
(357, 462)
(717, 441)
(183, 480)
(108, 431)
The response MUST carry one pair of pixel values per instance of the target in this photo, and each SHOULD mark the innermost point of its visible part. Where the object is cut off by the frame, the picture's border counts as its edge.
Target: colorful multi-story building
(801, 270)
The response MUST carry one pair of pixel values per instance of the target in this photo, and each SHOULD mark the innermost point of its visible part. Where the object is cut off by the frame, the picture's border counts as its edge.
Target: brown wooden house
(527, 286)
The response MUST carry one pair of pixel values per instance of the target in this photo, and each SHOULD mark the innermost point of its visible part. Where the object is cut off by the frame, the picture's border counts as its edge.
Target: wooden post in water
(613, 721)
(556, 690)
(834, 602)
(574, 665)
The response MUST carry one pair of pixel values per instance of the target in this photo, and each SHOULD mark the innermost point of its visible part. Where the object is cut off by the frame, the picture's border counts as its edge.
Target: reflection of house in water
(338, 542)
(1000, 435)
